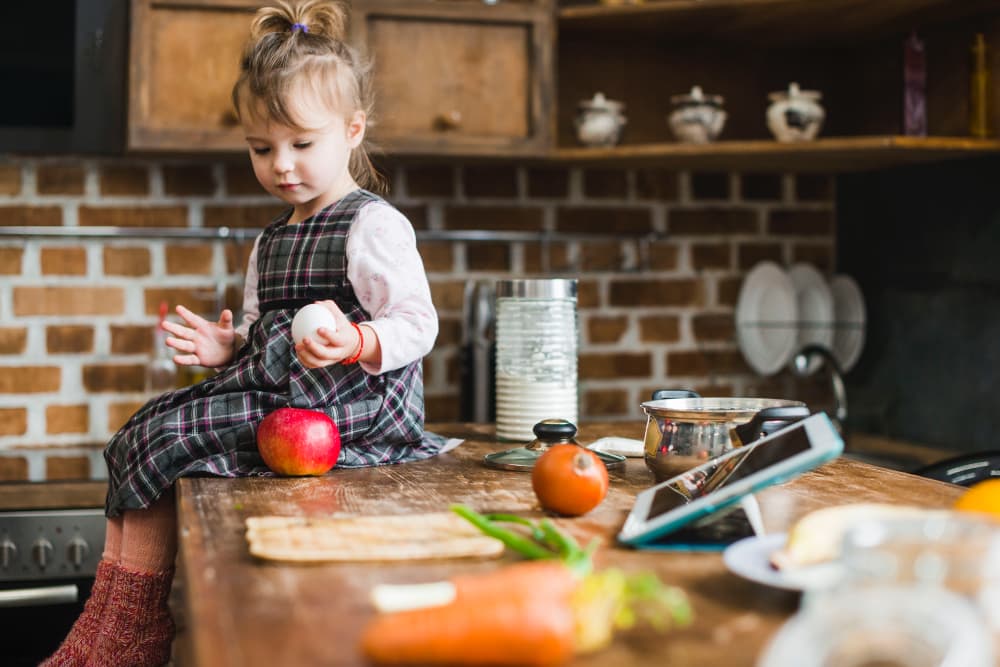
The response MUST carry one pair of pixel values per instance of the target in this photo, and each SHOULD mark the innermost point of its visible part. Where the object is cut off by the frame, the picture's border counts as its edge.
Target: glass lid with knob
(548, 432)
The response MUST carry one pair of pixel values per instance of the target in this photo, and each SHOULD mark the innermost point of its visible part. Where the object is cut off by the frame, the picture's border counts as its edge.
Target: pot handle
(662, 394)
(766, 422)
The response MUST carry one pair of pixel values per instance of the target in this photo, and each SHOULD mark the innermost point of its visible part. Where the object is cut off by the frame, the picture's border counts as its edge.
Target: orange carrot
(517, 615)
(538, 612)
(545, 578)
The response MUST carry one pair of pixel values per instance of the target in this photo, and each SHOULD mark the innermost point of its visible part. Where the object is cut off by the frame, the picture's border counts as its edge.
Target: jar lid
(696, 97)
(795, 93)
(538, 288)
(601, 103)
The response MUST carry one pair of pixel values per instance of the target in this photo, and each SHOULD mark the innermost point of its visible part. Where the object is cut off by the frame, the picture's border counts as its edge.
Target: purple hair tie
(300, 26)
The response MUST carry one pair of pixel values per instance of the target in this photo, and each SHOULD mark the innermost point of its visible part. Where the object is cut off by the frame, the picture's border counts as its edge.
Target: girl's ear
(356, 126)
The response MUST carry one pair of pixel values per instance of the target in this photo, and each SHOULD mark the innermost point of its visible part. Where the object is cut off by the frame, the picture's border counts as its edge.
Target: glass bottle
(536, 355)
(161, 372)
(979, 90)
(914, 86)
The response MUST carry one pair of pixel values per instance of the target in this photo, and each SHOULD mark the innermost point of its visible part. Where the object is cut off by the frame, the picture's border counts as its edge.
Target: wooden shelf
(769, 21)
(832, 155)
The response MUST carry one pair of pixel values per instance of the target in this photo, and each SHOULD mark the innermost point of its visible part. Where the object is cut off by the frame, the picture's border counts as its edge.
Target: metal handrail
(241, 234)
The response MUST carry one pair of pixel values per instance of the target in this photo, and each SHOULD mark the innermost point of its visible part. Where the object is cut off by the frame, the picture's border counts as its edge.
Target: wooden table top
(241, 611)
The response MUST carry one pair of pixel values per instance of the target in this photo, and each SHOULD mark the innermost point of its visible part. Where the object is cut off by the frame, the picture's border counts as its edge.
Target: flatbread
(368, 538)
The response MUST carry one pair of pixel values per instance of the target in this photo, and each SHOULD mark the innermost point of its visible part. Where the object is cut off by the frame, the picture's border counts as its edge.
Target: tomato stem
(582, 462)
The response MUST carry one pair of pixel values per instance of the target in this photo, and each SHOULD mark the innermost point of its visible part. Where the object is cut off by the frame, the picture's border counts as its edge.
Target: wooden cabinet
(850, 50)
(467, 78)
(452, 78)
(184, 62)
(460, 77)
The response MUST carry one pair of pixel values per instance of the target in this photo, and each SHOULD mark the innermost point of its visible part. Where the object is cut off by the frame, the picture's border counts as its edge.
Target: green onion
(518, 543)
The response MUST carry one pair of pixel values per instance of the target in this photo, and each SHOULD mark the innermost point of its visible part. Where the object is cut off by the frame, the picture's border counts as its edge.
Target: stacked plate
(779, 312)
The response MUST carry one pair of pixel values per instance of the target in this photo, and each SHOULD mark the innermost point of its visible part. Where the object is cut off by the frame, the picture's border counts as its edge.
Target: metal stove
(47, 546)
(48, 559)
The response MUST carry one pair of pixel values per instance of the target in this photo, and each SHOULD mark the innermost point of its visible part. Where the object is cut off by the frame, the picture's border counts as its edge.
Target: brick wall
(77, 315)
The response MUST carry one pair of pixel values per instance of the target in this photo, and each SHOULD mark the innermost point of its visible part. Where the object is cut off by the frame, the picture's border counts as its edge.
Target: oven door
(38, 617)
(48, 559)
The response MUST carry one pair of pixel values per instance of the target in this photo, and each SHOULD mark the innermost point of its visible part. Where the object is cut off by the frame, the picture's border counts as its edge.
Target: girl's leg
(137, 629)
(75, 649)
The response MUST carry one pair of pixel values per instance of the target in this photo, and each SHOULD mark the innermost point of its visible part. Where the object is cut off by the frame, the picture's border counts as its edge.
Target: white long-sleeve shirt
(387, 274)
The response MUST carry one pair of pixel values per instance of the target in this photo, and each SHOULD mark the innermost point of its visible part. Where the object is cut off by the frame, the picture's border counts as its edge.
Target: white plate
(849, 316)
(766, 316)
(750, 558)
(815, 307)
(629, 447)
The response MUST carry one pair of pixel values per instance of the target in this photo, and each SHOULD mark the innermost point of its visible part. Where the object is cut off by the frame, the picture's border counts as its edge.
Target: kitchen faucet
(801, 363)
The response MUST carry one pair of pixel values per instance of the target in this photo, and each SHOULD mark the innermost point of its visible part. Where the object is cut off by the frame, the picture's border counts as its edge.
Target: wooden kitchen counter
(241, 611)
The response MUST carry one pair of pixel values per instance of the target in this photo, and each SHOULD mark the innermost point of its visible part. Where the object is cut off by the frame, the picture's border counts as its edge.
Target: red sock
(75, 649)
(137, 630)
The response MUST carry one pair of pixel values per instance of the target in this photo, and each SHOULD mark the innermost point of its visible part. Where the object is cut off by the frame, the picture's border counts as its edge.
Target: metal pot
(682, 433)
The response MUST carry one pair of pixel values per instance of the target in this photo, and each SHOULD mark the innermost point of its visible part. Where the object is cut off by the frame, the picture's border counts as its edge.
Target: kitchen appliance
(682, 433)
(51, 540)
(964, 469)
(63, 66)
(478, 360)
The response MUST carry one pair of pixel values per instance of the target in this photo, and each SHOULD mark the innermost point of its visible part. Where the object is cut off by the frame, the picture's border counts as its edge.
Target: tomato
(569, 479)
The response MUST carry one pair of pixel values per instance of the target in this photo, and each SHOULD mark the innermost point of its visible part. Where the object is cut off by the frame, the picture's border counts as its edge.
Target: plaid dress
(210, 428)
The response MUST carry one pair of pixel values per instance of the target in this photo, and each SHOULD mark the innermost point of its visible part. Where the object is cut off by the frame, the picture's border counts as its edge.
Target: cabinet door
(184, 62)
(461, 77)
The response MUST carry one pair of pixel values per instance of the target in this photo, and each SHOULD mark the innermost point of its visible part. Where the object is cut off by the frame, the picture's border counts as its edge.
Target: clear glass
(914, 593)
(161, 371)
(947, 550)
(536, 364)
(883, 626)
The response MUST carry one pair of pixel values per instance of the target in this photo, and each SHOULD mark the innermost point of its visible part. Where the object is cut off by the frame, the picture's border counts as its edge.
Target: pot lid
(713, 409)
(795, 93)
(601, 103)
(696, 96)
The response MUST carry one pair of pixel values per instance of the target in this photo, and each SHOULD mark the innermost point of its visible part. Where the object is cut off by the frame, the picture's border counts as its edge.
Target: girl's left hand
(329, 347)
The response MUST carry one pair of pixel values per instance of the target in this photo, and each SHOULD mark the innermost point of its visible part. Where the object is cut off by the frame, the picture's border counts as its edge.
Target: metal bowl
(682, 433)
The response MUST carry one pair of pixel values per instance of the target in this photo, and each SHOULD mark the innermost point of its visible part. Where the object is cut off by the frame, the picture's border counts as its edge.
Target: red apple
(294, 441)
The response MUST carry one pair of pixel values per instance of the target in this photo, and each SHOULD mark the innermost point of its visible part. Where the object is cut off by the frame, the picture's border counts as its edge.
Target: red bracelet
(361, 346)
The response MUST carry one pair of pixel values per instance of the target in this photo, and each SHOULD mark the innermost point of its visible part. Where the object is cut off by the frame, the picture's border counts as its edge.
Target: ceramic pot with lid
(599, 121)
(795, 114)
(697, 118)
(682, 433)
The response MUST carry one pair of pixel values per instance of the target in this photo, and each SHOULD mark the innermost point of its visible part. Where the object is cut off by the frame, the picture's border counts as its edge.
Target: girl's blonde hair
(302, 47)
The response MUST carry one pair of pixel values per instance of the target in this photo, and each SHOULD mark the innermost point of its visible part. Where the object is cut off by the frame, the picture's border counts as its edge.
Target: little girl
(303, 98)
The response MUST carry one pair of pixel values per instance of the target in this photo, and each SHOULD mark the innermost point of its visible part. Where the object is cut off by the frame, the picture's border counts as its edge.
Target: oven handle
(25, 597)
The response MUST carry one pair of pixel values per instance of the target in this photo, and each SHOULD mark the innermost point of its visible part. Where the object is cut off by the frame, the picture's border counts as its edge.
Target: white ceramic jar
(697, 118)
(599, 121)
(795, 114)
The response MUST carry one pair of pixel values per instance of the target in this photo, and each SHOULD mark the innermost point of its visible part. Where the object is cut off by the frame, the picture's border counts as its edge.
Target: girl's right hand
(205, 343)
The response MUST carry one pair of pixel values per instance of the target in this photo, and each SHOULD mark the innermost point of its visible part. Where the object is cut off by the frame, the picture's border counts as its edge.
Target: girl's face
(306, 168)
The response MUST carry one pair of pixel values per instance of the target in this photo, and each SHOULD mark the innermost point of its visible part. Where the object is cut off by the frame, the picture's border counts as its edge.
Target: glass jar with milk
(536, 354)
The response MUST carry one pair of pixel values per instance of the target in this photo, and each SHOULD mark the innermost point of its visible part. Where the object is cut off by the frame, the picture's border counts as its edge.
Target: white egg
(309, 319)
